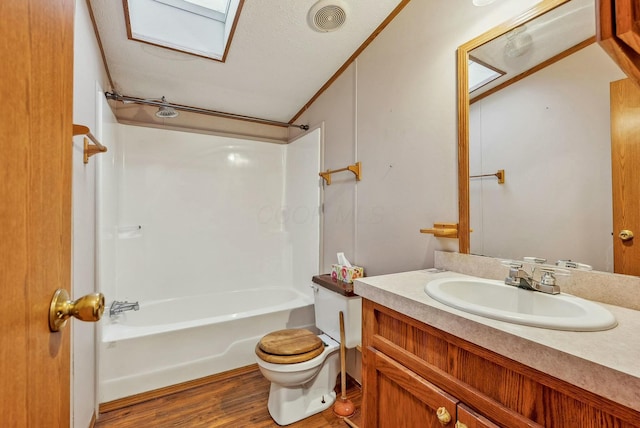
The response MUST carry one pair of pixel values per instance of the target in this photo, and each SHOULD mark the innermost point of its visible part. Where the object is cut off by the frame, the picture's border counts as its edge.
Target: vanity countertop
(605, 362)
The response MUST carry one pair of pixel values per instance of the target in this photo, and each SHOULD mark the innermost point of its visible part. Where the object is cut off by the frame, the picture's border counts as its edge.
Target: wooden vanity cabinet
(411, 369)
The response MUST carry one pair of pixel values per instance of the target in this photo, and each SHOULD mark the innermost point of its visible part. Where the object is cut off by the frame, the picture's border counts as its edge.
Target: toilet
(303, 366)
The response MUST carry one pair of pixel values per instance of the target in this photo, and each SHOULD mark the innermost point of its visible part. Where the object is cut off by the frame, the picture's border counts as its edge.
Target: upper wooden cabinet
(618, 32)
(628, 22)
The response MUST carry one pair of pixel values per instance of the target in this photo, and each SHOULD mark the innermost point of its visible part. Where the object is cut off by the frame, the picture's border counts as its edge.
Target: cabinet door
(468, 418)
(397, 397)
(617, 33)
(628, 22)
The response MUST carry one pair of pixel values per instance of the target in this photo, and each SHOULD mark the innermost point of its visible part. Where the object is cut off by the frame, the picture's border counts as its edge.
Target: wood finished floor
(240, 401)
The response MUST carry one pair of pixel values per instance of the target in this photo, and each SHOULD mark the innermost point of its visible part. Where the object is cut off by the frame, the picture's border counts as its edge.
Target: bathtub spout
(120, 307)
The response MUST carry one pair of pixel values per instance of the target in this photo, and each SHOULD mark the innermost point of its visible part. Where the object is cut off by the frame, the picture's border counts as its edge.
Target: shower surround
(216, 237)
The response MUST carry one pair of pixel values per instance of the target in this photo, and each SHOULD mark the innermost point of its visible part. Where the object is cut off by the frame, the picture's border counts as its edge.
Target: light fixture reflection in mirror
(519, 42)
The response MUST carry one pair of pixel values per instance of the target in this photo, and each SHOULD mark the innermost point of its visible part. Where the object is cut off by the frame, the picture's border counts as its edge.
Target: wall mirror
(534, 138)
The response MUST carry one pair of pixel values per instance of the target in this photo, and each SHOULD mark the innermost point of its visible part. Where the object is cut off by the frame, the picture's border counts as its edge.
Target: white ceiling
(275, 64)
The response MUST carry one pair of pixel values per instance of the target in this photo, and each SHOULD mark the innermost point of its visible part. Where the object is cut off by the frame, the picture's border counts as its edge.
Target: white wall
(88, 74)
(108, 166)
(201, 214)
(550, 133)
(301, 213)
(395, 111)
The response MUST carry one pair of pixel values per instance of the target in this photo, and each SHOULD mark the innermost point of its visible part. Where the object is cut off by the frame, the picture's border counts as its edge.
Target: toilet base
(291, 404)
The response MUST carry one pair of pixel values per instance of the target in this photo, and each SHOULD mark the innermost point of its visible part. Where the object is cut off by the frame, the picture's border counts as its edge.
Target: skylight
(218, 5)
(212, 9)
(481, 74)
(198, 27)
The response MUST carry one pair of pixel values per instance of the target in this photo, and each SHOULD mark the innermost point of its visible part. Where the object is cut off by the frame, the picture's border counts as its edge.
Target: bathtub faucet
(120, 307)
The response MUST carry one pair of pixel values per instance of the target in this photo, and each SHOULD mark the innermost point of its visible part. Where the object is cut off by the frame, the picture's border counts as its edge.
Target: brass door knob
(460, 425)
(625, 235)
(87, 308)
(443, 416)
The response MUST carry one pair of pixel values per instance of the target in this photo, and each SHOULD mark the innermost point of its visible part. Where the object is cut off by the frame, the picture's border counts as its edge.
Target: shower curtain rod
(124, 98)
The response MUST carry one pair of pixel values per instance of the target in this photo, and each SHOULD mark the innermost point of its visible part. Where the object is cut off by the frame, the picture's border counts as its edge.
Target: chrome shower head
(166, 111)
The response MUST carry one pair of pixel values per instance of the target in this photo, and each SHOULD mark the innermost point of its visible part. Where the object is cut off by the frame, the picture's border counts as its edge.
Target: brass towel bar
(89, 149)
(499, 174)
(355, 168)
(443, 230)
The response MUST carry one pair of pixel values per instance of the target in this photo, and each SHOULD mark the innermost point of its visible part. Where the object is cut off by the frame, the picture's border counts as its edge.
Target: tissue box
(346, 273)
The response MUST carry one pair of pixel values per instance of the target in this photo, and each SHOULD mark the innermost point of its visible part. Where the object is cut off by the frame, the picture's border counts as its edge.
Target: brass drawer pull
(443, 416)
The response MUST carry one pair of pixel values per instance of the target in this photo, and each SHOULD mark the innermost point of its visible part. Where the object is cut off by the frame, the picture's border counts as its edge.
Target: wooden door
(471, 419)
(36, 84)
(397, 397)
(625, 165)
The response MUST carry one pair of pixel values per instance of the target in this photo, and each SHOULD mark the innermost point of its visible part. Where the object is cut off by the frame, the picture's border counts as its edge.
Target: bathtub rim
(114, 332)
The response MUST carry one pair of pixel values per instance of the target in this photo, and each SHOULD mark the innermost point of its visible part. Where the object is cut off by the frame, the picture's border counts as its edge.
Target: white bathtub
(171, 341)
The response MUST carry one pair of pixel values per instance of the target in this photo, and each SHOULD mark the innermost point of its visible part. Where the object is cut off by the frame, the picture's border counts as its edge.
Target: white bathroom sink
(495, 299)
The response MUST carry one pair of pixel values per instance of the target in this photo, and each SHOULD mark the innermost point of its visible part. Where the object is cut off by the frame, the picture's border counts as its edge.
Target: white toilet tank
(328, 305)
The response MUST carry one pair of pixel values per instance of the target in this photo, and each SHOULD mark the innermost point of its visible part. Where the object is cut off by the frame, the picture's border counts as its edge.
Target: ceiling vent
(327, 15)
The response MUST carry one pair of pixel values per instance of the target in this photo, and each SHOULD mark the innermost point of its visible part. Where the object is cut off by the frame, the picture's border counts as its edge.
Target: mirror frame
(464, 227)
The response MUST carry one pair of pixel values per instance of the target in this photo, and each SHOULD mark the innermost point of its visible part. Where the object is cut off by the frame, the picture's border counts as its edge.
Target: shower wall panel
(301, 211)
(198, 214)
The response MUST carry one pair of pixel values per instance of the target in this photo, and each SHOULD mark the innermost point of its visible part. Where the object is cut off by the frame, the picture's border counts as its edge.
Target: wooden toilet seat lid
(289, 346)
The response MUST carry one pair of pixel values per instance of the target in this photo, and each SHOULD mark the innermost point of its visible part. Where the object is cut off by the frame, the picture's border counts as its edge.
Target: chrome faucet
(120, 307)
(518, 277)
